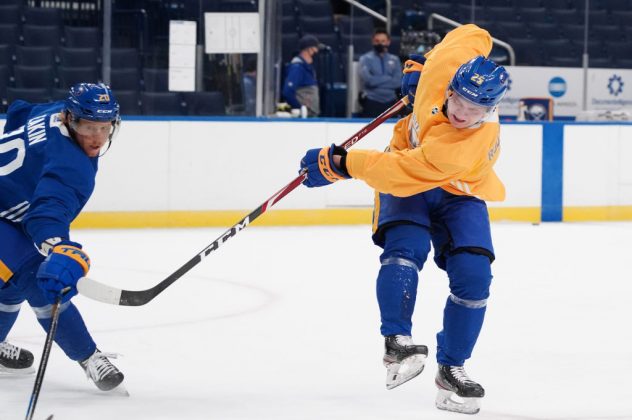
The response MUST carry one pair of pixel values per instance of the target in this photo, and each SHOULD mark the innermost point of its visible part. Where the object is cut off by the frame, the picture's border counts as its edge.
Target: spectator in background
(249, 85)
(380, 74)
(300, 86)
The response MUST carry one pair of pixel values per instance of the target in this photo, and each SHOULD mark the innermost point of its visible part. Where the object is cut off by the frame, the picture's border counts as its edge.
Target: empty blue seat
(10, 14)
(82, 37)
(607, 33)
(559, 4)
(41, 36)
(500, 14)
(600, 62)
(442, 8)
(42, 77)
(129, 101)
(314, 8)
(10, 33)
(574, 32)
(599, 17)
(237, 6)
(288, 8)
(124, 78)
(69, 76)
(361, 45)
(124, 58)
(313, 25)
(4, 84)
(541, 30)
(59, 94)
(78, 57)
(289, 46)
(161, 103)
(500, 3)
(463, 13)
(567, 16)
(362, 25)
(155, 80)
(619, 50)
(204, 103)
(42, 16)
(624, 62)
(289, 25)
(6, 55)
(33, 95)
(413, 20)
(623, 17)
(564, 61)
(34, 56)
(527, 51)
(505, 30)
(534, 14)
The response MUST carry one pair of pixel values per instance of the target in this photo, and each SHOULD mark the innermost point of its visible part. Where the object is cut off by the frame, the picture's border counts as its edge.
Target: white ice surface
(282, 323)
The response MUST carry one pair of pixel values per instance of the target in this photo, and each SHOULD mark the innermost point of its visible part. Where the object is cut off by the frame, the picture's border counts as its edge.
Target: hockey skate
(15, 360)
(403, 359)
(457, 392)
(101, 371)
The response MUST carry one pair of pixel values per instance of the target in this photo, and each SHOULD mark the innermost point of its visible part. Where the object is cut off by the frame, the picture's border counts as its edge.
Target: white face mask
(462, 113)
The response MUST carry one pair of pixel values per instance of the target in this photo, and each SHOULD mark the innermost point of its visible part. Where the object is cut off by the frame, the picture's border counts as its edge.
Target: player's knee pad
(407, 245)
(470, 277)
(45, 312)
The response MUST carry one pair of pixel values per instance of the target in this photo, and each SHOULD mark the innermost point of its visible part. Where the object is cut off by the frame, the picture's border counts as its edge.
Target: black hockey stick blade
(115, 296)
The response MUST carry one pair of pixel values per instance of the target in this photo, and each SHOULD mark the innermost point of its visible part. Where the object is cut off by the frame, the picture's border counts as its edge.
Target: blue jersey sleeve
(66, 183)
(17, 114)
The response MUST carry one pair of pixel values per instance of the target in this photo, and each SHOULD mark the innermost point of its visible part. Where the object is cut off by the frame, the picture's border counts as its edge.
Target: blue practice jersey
(45, 177)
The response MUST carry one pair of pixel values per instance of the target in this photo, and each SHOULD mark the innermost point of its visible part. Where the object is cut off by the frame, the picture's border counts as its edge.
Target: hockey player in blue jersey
(48, 163)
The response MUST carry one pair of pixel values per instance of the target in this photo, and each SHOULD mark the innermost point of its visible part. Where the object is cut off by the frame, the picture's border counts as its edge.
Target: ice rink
(282, 323)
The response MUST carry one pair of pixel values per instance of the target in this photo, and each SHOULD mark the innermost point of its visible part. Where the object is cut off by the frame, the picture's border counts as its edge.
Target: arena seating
(44, 49)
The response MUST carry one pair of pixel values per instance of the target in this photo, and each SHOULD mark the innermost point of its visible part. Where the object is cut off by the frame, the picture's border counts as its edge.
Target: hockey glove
(410, 79)
(63, 267)
(320, 166)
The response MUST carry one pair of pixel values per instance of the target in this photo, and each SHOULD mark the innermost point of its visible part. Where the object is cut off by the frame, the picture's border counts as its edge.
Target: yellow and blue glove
(412, 70)
(320, 166)
(63, 267)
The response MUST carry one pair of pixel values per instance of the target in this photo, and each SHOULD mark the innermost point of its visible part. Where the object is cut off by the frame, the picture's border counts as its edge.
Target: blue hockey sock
(8, 315)
(461, 326)
(72, 335)
(405, 250)
(470, 278)
(396, 295)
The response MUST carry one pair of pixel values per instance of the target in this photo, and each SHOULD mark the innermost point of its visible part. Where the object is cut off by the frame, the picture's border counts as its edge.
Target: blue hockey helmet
(481, 81)
(93, 102)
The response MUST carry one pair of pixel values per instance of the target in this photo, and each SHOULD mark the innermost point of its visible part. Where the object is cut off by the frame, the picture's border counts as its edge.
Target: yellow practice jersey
(426, 151)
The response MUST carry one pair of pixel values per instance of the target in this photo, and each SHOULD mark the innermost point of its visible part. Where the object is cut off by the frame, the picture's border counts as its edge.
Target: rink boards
(211, 172)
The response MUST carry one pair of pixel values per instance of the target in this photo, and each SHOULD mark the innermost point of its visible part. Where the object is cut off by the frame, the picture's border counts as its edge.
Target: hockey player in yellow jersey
(430, 185)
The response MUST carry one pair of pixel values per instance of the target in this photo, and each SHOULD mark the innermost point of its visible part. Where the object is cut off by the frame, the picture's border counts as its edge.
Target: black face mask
(379, 48)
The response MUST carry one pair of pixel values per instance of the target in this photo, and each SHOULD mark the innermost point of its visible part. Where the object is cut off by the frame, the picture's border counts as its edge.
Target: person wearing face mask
(301, 86)
(431, 183)
(380, 75)
(49, 154)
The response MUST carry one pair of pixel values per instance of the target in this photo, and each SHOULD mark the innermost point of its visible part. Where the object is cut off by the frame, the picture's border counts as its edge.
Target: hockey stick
(48, 344)
(112, 295)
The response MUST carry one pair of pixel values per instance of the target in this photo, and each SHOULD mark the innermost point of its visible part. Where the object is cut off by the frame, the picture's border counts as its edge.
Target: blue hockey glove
(410, 79)
(320, 167)
(63, 267)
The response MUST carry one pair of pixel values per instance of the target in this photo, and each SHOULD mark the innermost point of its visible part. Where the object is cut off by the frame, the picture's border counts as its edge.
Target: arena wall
(212, 172)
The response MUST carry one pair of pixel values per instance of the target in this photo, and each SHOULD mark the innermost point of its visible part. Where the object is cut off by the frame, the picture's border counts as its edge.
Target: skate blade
(5, 371)
(120, 391)
(409, 368)
(449, 401)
